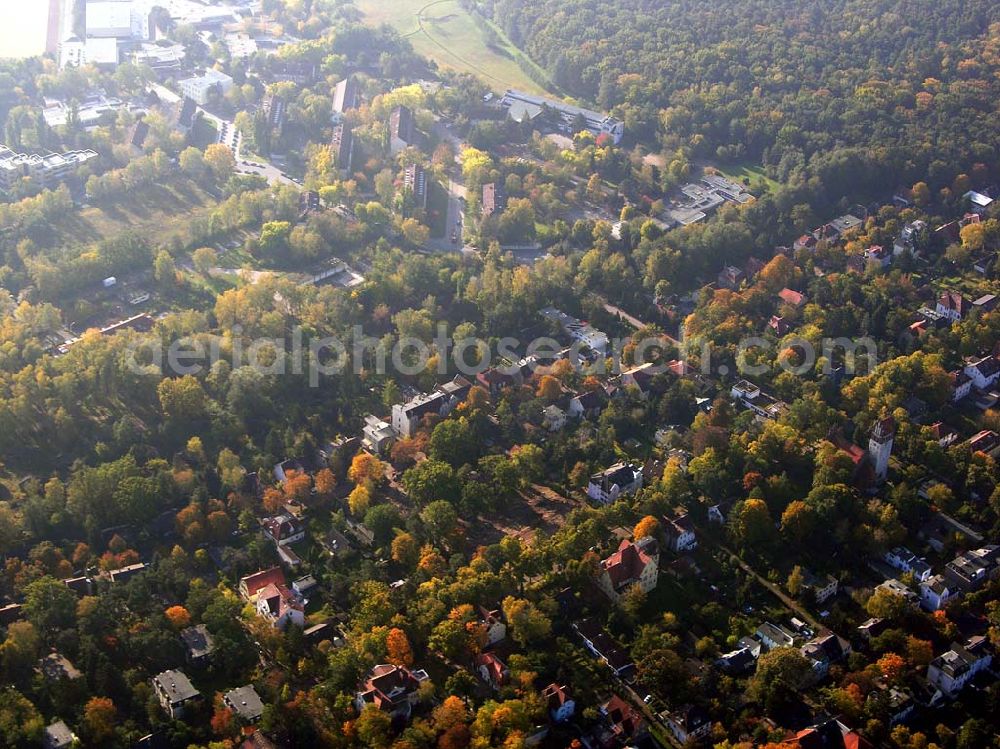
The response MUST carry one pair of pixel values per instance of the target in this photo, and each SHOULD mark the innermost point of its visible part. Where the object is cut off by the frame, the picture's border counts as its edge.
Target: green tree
(430, 480)
(49, 605)
(781, 674)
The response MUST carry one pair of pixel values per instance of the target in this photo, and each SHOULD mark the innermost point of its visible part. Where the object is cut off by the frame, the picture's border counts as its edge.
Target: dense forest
(910, 83)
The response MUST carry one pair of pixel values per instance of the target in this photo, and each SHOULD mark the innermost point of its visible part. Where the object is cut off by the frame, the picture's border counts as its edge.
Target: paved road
(233, 138)
(456, 196)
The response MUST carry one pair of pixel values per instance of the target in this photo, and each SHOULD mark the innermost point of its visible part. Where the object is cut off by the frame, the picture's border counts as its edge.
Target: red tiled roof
(258, 580)
(626, 564)
(793, 298)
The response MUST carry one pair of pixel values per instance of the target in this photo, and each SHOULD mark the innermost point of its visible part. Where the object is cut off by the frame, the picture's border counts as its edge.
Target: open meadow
(448, 34)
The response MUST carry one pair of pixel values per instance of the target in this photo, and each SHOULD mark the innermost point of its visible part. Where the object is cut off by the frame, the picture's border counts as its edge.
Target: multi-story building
(201, 88)
(48, 171)
(175, 692)
(633, 564)
(621, 479)
(951, 671)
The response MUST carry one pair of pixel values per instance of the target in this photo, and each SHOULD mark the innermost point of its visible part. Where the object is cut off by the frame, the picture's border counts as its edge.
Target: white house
(950, 672)
(904, 560)
(377, 434)
(689, 723)
(823, 587)
(983, 372)
(283, 529)
(679, 533)
(935, 593)
(278, 605)
(613, 482)
(492, 621)
(774, 636)
(961, 385)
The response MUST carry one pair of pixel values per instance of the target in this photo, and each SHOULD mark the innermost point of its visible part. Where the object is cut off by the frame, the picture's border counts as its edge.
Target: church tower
(880, 446)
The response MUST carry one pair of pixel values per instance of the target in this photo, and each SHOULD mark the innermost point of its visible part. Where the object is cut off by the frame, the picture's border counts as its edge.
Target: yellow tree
(359, 500)
(365, 467)
(648, 526)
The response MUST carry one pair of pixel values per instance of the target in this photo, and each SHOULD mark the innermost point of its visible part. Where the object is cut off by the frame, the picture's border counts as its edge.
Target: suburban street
(233, 138)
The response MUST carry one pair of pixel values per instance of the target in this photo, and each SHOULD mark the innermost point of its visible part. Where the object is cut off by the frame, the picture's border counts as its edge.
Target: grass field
(752, 172)
(446, 33)
(160, 211)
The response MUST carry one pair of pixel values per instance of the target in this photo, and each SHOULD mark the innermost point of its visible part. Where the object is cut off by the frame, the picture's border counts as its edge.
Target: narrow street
(789, 602)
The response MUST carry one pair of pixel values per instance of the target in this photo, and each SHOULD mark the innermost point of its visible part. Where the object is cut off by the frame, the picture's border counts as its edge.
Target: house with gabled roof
(618, 480)
(492, 621)
(283, 529)
(952, 305)
(634, 563)
(623, 724)
(346, 96)
(253, 584)
(560, 702)
(983, 371)
(679, 533)
(904, 560)
(604, 647)
(402, 129)
(492, 670)
(280, 606)
(825, 650)
(792, 298)
(392, 689)
(587, 404)
(689, 723)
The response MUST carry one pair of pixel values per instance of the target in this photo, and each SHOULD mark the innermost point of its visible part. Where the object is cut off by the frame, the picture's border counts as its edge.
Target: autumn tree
(374, 728)
(398, 649)
(549, 388)
(795, 580)
(527, 623)
(648, 526)
(450, 713)
(405, 550)
(884, 604)
(891, 667)
(359, 500)
(365, 468)
(182, 398)
(99, 718)
(178, 617)
(325, 483)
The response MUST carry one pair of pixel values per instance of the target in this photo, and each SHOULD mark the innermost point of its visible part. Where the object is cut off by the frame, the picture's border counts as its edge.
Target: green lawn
(446, 33)
(752, 172)
(158, 211)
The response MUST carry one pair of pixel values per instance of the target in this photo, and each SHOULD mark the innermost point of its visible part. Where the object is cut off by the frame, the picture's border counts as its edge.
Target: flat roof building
(521, 105)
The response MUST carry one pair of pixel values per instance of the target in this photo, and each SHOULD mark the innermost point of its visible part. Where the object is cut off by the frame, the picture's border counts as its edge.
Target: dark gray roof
(245, 702)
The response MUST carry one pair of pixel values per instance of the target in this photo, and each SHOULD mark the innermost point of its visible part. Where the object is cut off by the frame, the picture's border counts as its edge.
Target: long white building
(522, 106)
(49, 170)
